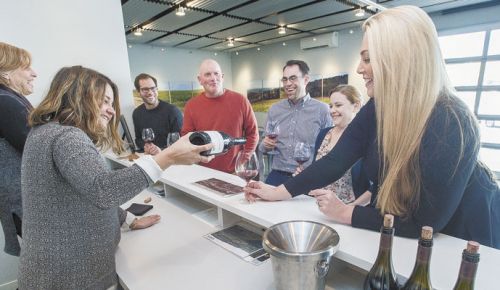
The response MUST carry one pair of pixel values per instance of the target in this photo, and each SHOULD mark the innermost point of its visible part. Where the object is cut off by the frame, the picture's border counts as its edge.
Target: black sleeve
(351, 146)
(319, 139)
(360, 181)
(14, 122)
(445, 174)
(138, 130)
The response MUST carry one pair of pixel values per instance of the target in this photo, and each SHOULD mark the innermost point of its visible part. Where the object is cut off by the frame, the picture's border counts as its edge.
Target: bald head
(211, 78)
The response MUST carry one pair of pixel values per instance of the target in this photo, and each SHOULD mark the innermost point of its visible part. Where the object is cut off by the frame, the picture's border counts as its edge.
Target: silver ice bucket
(301, 252)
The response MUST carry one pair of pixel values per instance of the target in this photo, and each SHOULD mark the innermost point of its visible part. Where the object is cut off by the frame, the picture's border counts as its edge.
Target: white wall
(267, 64)
(174, 64)
(61, 33)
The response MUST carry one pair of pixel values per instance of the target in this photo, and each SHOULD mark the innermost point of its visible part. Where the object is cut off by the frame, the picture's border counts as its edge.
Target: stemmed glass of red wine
(272, 132)
(247, 165)
(301, 153)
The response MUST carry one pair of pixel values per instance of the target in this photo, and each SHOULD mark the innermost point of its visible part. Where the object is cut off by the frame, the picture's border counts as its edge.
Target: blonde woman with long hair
(71, 225)
(419, 142)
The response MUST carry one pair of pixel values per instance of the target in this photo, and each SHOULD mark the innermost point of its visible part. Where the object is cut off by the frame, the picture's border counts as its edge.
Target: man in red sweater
(219, 109)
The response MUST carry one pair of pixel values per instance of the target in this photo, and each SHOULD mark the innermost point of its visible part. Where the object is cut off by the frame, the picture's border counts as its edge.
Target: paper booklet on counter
(242, 242)
(220, 187)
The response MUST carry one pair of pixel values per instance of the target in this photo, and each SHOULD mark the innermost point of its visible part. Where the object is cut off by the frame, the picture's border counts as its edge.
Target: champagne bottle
(468, 268)
(222, 141)
(382, 275)
(420, 278)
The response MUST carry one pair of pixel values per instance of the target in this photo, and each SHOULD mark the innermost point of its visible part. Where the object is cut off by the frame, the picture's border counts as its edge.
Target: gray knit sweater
(70, 197)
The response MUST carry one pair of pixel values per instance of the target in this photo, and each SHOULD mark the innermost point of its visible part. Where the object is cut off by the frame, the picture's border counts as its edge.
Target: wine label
(217, 140)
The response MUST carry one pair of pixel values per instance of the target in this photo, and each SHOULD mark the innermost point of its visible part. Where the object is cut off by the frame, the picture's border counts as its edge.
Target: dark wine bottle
(468, 268)
(222, 141)
(382, 275)
(420, 278)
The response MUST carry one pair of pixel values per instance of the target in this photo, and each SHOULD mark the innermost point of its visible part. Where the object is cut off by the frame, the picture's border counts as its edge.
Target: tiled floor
(8, 268)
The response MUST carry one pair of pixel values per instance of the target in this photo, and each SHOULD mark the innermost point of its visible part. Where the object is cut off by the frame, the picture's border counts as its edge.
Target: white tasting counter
(180, 246)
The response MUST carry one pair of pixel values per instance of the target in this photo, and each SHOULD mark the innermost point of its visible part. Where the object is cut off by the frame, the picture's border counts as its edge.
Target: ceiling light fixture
(373, 4)
(138, 31)
(230, 42)
(180, 11)
(237, 53)
(282, 30)
(360, 12)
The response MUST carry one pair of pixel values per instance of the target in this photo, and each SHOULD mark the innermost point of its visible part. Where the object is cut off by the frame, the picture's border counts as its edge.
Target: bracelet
(132, 225)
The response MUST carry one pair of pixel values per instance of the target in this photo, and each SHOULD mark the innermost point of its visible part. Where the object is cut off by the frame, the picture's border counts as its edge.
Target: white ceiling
(208, 24)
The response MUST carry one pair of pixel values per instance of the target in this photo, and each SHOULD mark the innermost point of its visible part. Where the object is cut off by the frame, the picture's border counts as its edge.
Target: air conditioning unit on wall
(323, 40)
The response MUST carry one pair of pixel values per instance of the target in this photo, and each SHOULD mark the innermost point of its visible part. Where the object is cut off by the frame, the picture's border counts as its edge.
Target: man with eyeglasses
(299, 118)
(154, 113)
(220, 109)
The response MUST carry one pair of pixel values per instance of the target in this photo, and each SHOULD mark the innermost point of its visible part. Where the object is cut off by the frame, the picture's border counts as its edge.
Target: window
(473, 65)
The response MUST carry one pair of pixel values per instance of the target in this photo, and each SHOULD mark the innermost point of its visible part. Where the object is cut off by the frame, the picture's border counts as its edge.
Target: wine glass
(172, 137)
(247, 165)
(272, 131)
(301, 153)
(148, 135)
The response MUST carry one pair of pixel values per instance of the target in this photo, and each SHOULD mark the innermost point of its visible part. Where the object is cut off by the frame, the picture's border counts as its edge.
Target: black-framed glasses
(146, 90)
(290, 78)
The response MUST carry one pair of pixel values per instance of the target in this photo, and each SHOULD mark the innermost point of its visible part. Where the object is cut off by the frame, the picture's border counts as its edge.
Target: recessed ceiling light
(360, 12)
(237, 53)
(130, 46)
(138, 31)
(258, 48)
(282, 30)
(230, 42)
(284, 43)
(215, 53)
(314, 38)
(351, 31)
(180, 11)
(162, 49)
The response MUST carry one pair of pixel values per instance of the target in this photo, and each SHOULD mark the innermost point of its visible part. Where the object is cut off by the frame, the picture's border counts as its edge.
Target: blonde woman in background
(16, 82)
(352, 187)
(418, 141)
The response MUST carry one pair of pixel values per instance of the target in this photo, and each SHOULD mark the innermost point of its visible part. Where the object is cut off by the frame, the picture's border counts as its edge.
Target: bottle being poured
(222, 141)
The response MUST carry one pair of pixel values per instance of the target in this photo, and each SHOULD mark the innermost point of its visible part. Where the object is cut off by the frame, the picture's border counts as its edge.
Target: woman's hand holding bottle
(182, 152)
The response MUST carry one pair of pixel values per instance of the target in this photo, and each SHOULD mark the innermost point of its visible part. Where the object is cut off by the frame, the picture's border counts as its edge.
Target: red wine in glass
(301, 153)
(272, 131)
(272, 136)
(301, 160)
(248, 175)
(247, 165)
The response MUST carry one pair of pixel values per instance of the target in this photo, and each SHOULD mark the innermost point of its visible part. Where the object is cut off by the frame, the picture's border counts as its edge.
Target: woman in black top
(16, 82)
(419, 142)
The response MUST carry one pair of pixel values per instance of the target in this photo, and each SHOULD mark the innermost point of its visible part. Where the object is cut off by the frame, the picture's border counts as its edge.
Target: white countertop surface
(358, 247)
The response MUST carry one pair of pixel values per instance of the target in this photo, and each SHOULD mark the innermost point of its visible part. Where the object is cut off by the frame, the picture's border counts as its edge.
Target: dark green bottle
(468, 268)
(420, 278)
(382, 275)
